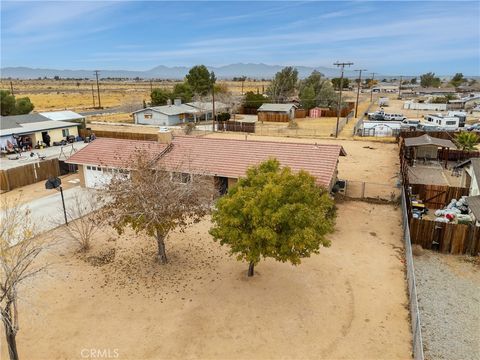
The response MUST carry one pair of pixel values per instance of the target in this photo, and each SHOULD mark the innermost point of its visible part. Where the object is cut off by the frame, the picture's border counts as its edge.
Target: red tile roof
(219, 157)
(113, 152)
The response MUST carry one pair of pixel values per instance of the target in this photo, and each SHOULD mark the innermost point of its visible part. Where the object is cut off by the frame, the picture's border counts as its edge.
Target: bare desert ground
(348, 302)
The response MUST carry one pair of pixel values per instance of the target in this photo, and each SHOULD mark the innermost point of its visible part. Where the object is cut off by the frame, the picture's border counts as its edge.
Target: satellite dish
(53, 183)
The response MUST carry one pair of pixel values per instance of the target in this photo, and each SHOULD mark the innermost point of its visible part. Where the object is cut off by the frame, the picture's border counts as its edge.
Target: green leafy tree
(336, 83)
(275, 213)
(253, 100)
(413, 81)
(224, 116)
(430, 80)
(23, 106)
(7, 103)
(183, 91)
(160, 97)
(458, 79)
(467, 141)
(283, 85)
(11, 106)
(316, 90)
(200, 80)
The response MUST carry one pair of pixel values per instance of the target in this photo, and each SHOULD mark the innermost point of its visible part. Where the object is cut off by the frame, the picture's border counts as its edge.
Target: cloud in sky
(389, 37)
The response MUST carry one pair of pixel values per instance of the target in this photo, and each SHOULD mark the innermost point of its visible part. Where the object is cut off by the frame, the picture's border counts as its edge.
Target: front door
(221, 184)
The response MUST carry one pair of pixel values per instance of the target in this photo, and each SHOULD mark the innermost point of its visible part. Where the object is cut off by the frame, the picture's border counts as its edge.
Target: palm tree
(467, 141)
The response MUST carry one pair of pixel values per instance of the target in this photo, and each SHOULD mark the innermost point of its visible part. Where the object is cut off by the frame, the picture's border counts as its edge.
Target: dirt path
(347, 302)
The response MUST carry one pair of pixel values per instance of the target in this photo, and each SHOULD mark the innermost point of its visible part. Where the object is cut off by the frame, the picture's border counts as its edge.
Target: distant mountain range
(256, 71)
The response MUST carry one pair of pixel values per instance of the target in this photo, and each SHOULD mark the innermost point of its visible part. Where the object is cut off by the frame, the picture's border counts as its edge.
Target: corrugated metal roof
(170, 109)
(428, 140)
(206, 105)
(276, 107)
(13, 121)
(64, 115)
(474, 206)
(218, 157)
(28, 128)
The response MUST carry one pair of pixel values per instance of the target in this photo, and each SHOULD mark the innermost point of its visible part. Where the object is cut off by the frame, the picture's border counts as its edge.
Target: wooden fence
(457, 155)
(300, 113)
(239, 126)
(447, 238)
(437, 196)
(28, 174)
(446, 135)
(119, 135)
(273, 117)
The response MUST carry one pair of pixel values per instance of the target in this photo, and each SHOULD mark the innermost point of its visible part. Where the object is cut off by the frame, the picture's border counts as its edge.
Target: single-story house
(435, 91)
(65, 115)
(204, 109)
(166, 115)
(471, 175)
(465, 103)
(35, 127)
(426, 147)
(224, 160)
(270, 112)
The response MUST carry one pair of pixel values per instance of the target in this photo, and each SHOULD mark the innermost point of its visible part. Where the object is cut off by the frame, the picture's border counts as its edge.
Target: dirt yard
(347, 302)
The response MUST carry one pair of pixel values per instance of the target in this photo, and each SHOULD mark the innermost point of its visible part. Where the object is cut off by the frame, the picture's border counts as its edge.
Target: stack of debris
(456, 212)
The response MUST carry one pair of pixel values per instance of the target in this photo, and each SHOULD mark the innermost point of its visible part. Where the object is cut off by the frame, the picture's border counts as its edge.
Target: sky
(398, 37)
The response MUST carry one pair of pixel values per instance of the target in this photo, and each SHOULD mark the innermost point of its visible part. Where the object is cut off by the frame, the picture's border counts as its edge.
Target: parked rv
(442, 121)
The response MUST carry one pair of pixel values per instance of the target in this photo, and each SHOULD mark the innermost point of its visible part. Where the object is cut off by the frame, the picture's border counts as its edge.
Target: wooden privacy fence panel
(447, 135)
(119, 135)
(457, 155)
(28, 174)
(437, 196)
(451, 238)
(273, 117)
(236, 126)
(300, 113)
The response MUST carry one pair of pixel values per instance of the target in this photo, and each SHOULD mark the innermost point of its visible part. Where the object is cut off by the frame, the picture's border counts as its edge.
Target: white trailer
(410, 105)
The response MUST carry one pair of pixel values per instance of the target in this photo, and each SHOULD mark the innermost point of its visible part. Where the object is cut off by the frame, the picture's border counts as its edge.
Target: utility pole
(400, 87)
(11, 88)
(213, 106)
(371, 92)
(98, 89)
(342, 66)
(151, 86)
(358, 89)
(93, 97)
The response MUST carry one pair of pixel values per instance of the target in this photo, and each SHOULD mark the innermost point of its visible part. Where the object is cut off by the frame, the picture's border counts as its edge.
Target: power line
(342, 66)
(98, 89)
(358, 89)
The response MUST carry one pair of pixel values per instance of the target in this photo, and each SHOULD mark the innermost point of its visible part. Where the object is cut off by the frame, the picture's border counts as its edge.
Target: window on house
(147, 116)
(89, 168)
(65, 132)
(451, 122)
(94, 168)
(181, 177)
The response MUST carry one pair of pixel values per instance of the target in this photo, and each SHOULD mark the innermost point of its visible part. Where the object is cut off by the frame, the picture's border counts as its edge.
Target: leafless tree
(84, 221)
(18, 250)
(154, 197)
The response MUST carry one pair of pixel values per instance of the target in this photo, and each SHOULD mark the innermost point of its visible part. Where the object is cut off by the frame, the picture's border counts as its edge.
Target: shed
(276, 112)
(426, 147)
(317, 112)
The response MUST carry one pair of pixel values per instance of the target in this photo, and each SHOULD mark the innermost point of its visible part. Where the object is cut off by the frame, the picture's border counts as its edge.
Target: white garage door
(97, 177)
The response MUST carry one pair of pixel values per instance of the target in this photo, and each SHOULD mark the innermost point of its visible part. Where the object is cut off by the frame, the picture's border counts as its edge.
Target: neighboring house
(435, 91)
(270, 112)
(410, 105)
(204, 109)
(65, 115)
(35, 127)
(224, 160)
(166, 115)
(465, 103)
(471, 176)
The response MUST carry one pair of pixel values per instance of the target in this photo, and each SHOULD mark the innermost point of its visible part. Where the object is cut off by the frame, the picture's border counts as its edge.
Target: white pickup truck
(381, 115)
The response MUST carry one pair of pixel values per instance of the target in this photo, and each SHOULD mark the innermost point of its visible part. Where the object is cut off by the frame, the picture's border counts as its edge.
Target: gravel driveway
(448, 290)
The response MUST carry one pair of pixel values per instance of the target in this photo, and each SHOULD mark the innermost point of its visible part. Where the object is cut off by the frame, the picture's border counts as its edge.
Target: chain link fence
(361, 190)
(412, 290)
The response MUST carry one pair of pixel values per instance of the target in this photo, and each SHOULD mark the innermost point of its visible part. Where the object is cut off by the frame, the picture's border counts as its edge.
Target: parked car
(397, 117)
(410, 124)
(474, 127)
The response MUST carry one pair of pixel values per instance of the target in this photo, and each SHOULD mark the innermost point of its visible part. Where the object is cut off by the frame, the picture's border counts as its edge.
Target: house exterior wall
(410, 105)
(474, 190)
(150, 117)
(55, 134)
